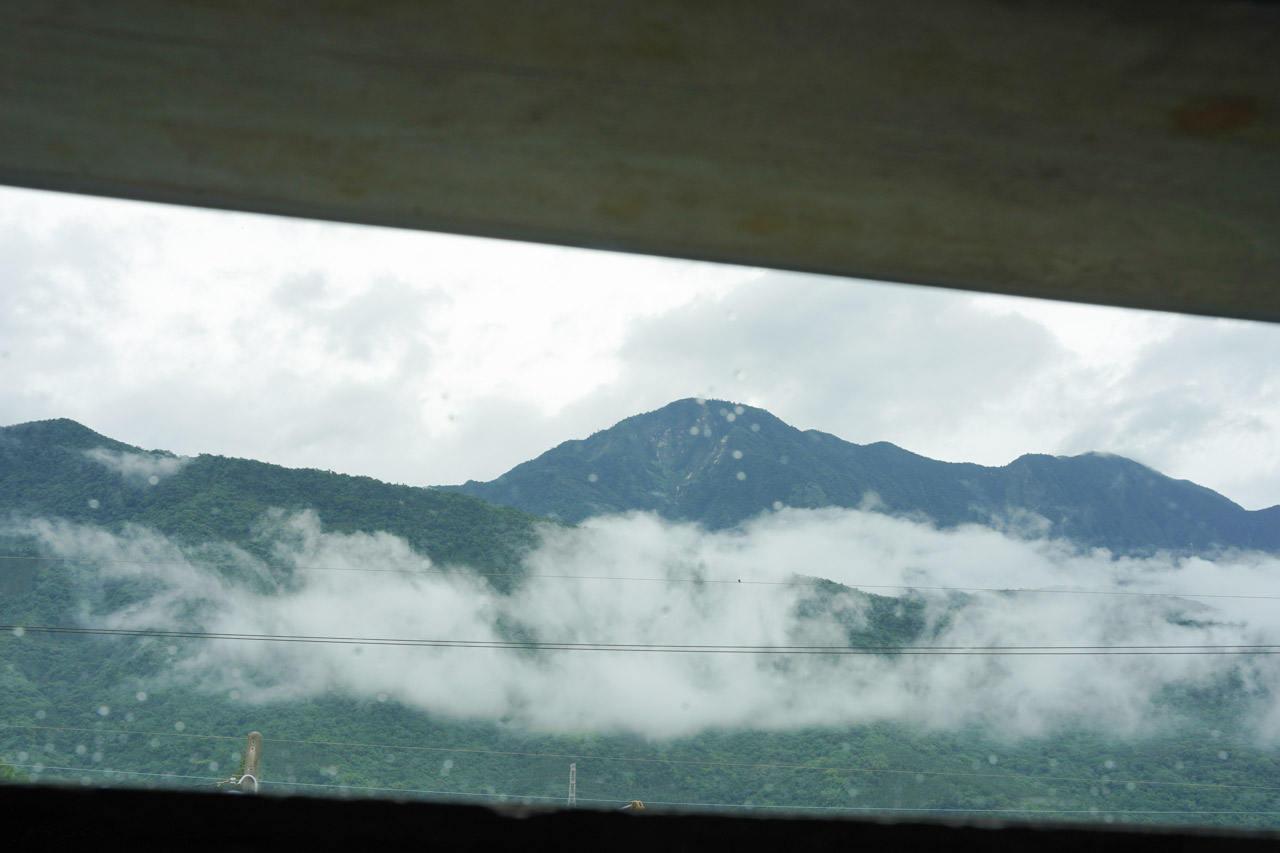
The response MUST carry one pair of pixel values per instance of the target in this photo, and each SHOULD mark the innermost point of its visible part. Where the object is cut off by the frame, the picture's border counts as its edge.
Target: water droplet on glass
(755, 427)
(103, 710)
(96, 757)
(93, 503)
(693, 430)
(18, 631)
(706, 432)
(234, 694)
(777, 504)
(592, 477)
(723, 412)
(382, 697)
(731, 417)
(179, 726)
(742, 475)
(1223, 755)
(738, 410)
(41, 714)
(141, 695)
(22, 756)
(153, 480)
(81, 749)
(1109, 764)
(213, 765)
(737, 454)
(994, 759)
(1130, 786)
(701, 401)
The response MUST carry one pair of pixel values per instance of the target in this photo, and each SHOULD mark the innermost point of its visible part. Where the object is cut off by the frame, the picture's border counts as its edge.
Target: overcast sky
(430, 359)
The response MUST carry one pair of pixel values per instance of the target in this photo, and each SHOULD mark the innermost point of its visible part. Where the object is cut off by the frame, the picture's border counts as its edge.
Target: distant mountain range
(720, 464)
(711, 462)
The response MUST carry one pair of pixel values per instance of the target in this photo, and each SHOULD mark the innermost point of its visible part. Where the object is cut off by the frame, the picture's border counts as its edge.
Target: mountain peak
(61, 432)
(720, 463)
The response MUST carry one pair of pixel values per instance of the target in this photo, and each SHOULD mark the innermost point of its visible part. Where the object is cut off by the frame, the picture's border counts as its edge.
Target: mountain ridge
(662, 461)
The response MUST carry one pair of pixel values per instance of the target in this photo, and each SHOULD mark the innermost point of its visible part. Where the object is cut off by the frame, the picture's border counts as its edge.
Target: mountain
(720, 464)
(172, 709)
(61, 469)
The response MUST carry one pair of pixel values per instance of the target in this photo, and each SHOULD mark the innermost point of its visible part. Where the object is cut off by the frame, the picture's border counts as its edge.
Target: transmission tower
(573, 785)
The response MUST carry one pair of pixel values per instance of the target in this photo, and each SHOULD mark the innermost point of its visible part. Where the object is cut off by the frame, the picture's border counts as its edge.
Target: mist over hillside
(878, 637)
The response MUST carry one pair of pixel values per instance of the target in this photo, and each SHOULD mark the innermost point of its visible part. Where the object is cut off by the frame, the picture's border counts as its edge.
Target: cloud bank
(637, 584)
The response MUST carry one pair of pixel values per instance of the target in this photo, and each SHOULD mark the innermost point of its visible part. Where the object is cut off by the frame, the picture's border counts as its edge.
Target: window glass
(449, 518)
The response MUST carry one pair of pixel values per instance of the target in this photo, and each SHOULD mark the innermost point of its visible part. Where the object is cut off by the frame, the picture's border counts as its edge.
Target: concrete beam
(1123, 152)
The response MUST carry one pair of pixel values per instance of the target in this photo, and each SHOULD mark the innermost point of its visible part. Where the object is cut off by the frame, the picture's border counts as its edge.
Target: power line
(671, 648)
(674, 761)
(643, 579)
(42, 768)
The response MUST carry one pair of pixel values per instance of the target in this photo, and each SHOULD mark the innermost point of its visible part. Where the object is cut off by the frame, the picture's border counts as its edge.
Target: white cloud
(138, 468)
(666, 694)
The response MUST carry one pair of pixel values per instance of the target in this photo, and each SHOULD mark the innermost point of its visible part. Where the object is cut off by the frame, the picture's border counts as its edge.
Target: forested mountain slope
(61, 469)
(720, 464)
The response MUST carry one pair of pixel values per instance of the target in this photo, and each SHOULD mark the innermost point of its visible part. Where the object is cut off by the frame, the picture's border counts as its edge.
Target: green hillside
(142, 711)
(46, 471)
(721, 464)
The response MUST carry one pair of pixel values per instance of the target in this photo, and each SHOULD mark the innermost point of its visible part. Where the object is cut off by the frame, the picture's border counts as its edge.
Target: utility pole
(252, 757)
(573, 785)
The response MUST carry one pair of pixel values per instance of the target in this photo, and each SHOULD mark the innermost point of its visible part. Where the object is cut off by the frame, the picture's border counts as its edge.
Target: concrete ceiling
(1121, 152)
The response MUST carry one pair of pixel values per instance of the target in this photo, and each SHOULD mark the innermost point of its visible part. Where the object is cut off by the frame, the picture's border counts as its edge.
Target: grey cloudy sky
(429, 359)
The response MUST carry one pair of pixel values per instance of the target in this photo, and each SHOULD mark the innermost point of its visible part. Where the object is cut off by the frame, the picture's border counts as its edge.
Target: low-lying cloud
(639, 580)
(138, 468)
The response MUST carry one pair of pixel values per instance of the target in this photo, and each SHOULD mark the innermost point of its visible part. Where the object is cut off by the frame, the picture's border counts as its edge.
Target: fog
(640, 580)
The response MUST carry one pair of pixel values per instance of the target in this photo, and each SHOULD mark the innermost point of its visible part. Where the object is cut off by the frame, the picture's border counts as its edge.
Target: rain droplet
(1109, 764)
(18, 631)
(93, 503)
(1223, 755)
(141, 695)
(153, 480)
(41, 714)
(213, 765)
(737, 454)
(234, 694)
(1130, 786)
(777, 504)
(742, 475)
(81, 749)
(731, 417)
(693, 430)
(592, 477)
(382, 697)
(738, 410)
(755, 427)
(701, 401)
(993, 758)
(706, 432)
(22, 756)
(103, 710)
(724, 412)
(179, 726)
